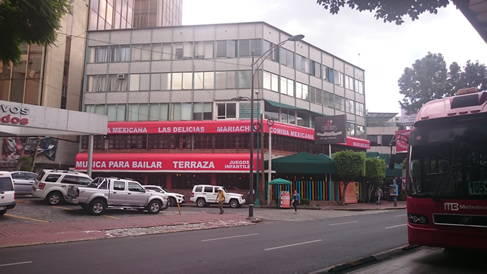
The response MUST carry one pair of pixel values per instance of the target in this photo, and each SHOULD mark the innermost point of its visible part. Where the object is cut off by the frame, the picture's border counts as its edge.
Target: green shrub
(305, 201)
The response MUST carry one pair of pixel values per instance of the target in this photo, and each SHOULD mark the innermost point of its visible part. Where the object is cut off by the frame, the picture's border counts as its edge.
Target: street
(270, 247)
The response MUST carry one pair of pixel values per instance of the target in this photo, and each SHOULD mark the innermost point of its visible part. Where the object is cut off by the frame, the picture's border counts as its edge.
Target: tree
(429, 79)
(389, 11)
(28, 22)
(375, 172)
(350, 167)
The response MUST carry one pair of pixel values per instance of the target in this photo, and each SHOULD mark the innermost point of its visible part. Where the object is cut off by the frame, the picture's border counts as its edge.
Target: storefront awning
(304, 163)
(281, 105)
(168, 162)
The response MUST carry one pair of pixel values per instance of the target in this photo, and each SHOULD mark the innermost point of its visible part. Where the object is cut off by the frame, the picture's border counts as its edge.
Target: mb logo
(451, 206)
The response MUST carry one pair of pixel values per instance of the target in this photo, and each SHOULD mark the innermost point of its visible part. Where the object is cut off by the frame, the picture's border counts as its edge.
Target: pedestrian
(220, 198)
(378, 193)
(296, 200)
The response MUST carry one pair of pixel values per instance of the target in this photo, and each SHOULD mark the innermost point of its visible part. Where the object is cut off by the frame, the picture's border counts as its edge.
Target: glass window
(221, 48)
(177, 79)
(339, 103)
(360, 131)
(198, 80)
(350, 106)
(220, 80)
(359, 86)
(155, 81)
(244, 48)
(187, 80)
(303, 119)
(117, 82)
(209, 80)
(232, 48)
(144, 81)
(244, 79)
(158, 112)
(359, 109)
(350, 130)
(267, 80)
(289, 58)
(186, 111)
(338, 78)
(156, 52)
(202, 111)
(331, 100)
(231, 79)
(116, 112)
(290, 87)
(203, 50)
(282, 56)
(226, 110)
(134, 82)
(256, 46)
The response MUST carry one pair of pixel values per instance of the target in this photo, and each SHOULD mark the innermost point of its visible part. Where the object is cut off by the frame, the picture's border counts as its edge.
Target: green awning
(280, 181)
(281, 105)
(304, 163)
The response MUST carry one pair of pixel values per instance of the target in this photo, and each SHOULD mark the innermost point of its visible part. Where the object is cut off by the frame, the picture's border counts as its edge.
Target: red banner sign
(231, 126)
(402, 136)
(179, 162)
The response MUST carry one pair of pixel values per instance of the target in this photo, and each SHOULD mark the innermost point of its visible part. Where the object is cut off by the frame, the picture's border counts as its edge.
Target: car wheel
(154, 207)
(172, 201)
(3, 212)
(201, 202)
(54, 198)
(97, 207)
(234, 203)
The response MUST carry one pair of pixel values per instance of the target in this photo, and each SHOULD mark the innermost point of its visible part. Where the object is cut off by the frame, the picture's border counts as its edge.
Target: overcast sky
(383, 50)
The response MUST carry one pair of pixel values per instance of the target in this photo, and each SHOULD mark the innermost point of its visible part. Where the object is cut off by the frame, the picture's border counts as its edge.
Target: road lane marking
(344, 223)
(66, 208)
(230, 237)
(27, 262)
(402, 215)
(284, 246)
(26, 218)
(395, 226)
(108, 216)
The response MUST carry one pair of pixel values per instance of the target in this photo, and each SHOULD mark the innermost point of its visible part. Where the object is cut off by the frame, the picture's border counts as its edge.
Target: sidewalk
(98, 227)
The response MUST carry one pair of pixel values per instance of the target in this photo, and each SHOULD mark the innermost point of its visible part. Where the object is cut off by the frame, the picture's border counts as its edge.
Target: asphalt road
(270, 247)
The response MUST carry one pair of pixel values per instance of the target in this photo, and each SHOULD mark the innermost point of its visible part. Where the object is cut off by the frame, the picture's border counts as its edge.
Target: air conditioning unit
(121, 76)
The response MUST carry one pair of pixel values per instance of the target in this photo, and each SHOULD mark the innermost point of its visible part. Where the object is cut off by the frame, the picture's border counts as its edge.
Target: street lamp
(255, 65)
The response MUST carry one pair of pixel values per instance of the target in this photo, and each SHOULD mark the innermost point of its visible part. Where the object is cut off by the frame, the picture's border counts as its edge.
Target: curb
(379, 257)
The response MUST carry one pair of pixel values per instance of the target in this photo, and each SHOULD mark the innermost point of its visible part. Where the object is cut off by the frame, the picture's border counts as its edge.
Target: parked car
(204, 195)
(110, 192)
(52, 185)
(23, 181)
(7, 192)
(173, 199)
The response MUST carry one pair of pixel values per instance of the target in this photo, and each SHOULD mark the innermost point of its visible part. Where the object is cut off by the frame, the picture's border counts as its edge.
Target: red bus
(447, 173)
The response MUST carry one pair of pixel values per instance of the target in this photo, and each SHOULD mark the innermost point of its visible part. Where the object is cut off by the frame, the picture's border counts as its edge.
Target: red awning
(168, 162)
(357, 142)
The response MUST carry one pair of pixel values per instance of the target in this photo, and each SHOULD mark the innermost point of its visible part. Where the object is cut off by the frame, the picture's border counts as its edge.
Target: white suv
(204, 195)
(7, 192)
(173, 198)
(52, 185)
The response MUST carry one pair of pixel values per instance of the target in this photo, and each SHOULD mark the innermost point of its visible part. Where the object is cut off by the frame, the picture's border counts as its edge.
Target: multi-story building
(53, 76)
(175, 99)
(381, 128)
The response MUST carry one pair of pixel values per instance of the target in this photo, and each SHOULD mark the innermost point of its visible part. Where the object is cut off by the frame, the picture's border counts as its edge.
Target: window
(158, 112)
(139, 82)
(141, 52)
(339, 103)
(274, 55)
(338, 78)
(350, 130)
(256, 46)
(135, 187)
(315, 95)
(244, 48)
(160, 81)
(331, 100)
(359, 108)
(204, 80)
(187, 80)
(232, 48)
(161, 51)
(231, 79)
(97, 83)
(315, 69)
(373, 140)
(360, 131)
(350, 106)
(349, 82)
(181, 111)
(220, 80)
(183, 51)
(244, 79)
(177, 81)
(118, 185)
(138, 112)
(116, 112)
(359, 86)
(97, 109)
(221, 48)
(302, 91)
(287, 86)
(203, 50)
(226, 110)
(202, 111)
(120, 53)
(117, 82)
(52, 178)
(98, 54)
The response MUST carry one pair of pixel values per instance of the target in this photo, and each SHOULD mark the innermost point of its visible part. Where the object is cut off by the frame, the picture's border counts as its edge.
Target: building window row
(221, 49)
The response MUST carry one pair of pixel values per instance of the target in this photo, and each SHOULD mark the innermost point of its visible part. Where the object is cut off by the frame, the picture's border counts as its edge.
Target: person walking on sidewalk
(220, 198)
(378, 193)
(296, 200)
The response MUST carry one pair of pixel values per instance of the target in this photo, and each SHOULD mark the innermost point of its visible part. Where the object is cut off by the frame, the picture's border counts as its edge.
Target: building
(381, 128)
(53, 76)
(177, 101)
